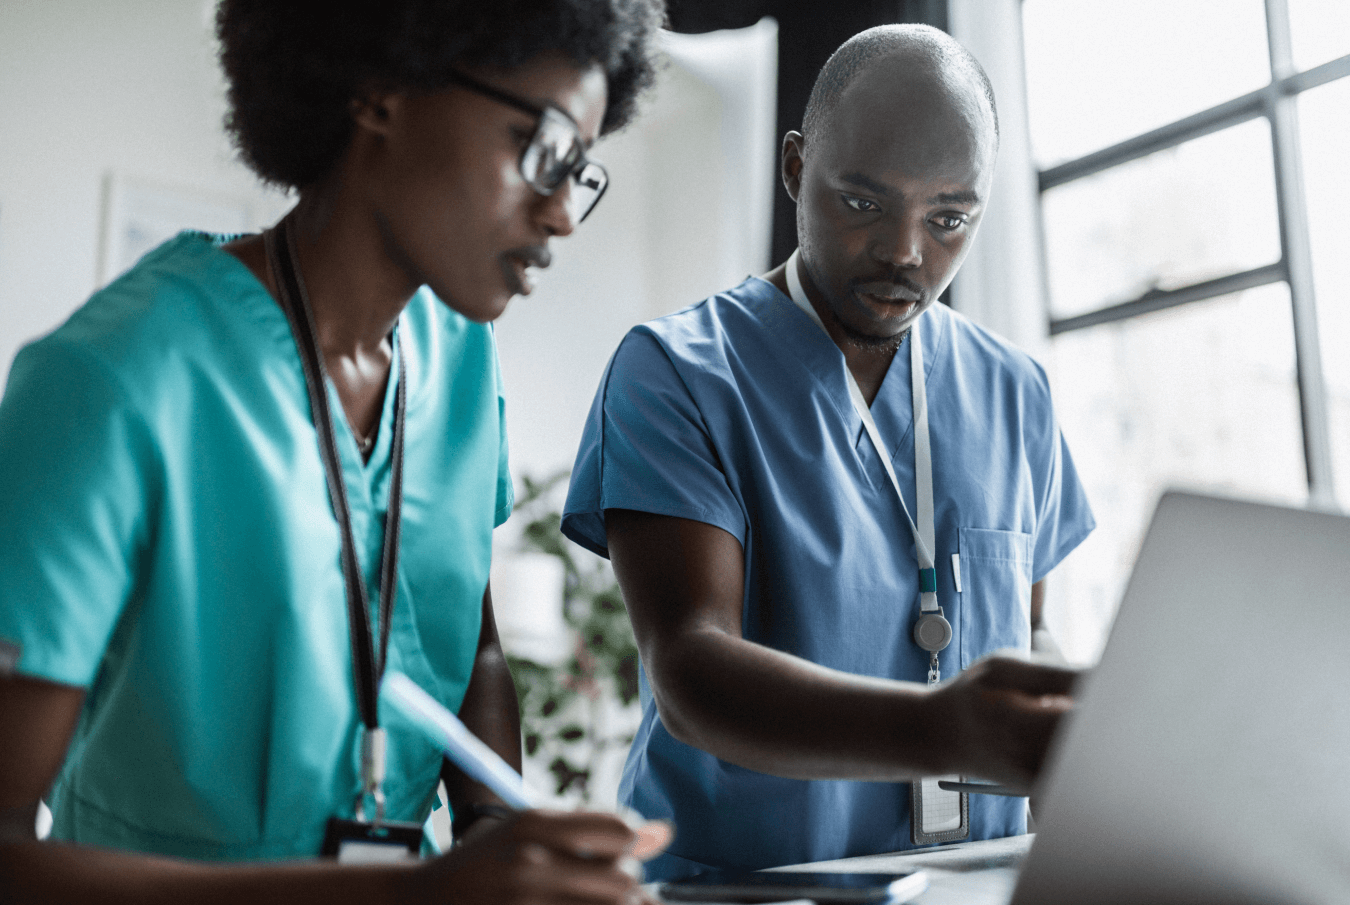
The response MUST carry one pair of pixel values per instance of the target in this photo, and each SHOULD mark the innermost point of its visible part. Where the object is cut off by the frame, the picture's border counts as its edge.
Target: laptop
(1209, 758)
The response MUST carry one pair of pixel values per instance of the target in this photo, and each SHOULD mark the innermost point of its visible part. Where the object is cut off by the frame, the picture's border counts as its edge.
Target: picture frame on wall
(139, 214)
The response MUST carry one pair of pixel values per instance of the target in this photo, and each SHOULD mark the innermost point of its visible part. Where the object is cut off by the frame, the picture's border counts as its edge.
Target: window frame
(1277, 103)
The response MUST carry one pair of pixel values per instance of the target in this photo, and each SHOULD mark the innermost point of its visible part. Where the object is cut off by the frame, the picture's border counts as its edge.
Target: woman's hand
(538, 857)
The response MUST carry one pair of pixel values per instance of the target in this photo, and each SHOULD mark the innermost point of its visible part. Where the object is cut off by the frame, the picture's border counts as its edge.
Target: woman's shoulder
(438, 340)
(171, 287)
(184, 302)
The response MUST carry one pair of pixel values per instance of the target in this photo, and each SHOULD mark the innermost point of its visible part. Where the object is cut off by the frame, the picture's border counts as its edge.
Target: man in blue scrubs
(773, 577)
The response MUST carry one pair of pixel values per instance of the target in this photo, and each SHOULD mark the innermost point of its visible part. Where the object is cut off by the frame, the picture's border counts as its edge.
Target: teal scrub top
(736, 413)
(170, 547)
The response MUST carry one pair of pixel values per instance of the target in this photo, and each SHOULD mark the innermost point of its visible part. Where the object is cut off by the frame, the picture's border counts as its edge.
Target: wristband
(472, 813)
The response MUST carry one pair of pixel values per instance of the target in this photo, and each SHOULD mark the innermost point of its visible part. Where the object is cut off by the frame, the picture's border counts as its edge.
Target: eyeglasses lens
(554, 154)
(587, 188)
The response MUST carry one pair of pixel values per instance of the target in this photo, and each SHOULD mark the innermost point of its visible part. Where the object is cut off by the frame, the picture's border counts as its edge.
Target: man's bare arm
(770, 711)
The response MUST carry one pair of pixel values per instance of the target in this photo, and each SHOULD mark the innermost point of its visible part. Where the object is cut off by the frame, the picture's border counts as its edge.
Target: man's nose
(901, 246)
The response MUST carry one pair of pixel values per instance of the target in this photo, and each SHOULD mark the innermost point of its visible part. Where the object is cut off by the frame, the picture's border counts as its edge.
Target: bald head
(891, 178)
(916, 56)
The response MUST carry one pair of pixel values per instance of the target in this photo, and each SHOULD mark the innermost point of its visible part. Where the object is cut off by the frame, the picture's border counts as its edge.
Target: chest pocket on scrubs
(995, 591)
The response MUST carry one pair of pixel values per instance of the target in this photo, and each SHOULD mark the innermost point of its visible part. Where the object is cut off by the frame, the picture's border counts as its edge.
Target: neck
(356, 290)
(868, 364)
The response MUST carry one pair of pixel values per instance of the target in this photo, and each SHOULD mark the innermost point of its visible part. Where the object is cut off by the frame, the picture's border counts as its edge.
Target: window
(1192, 175)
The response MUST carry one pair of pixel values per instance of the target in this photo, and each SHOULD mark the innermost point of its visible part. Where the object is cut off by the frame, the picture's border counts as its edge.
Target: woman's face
(450, 204)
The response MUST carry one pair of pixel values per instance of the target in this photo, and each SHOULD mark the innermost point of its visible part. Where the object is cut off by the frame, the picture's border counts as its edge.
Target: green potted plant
(577, 718)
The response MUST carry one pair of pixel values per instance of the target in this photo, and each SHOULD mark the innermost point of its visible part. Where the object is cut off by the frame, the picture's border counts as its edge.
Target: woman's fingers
(652, 839)
(581, 834)
(589, 834)
(541, 858)
(581, 880)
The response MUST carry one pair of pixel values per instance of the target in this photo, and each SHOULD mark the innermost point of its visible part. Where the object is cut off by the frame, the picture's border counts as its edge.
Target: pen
(476, 759)
(980, 788)
(483, 764)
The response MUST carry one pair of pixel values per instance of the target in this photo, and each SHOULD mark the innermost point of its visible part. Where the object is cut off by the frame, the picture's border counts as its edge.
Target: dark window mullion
(1221, 116)
(1161, 300)
(1224, 116)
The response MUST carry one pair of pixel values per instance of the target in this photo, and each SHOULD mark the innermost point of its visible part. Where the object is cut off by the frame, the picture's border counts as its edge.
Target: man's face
(889, 195)
(454, 210)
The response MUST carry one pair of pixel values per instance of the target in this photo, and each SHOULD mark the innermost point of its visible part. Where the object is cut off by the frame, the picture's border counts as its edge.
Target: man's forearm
(776, 713)
(770, 711)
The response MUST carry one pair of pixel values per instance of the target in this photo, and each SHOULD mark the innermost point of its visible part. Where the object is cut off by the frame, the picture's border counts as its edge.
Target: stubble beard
(869, 343)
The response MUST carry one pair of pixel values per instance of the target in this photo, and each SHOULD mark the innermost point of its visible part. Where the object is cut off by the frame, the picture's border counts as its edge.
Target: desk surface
(971, 873)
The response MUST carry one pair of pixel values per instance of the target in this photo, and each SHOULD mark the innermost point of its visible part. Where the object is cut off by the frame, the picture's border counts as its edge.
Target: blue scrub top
(736, 412)
(170, 547)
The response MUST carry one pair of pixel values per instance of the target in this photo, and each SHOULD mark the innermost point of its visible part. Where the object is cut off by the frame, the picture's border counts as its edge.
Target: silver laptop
(1209, 760)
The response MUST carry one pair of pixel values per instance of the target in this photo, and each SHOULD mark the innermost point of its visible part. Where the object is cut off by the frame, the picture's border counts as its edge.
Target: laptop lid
(1209, 757)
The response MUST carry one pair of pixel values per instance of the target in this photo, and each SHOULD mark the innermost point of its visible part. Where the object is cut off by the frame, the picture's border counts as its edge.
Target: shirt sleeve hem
(31, 667)
(1064, 550)
(574, 522)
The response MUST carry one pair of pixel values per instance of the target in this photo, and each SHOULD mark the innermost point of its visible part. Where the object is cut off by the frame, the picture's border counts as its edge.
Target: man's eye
(860, 204)
(949, 223)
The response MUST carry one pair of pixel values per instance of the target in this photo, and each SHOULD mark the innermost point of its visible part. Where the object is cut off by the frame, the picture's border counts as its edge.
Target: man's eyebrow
(864, 182)
(968, 196)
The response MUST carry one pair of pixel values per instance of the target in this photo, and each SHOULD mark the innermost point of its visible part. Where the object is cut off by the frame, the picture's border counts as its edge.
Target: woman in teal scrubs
(253, 471)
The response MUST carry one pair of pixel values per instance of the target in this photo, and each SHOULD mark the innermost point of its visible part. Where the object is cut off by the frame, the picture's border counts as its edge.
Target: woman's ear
(374, 111)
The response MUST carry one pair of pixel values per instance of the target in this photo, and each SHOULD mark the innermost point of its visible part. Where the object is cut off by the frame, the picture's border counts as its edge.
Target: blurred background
(1167, 235)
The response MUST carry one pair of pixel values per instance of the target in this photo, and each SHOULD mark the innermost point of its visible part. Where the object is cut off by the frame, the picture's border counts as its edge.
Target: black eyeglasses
(554, 153)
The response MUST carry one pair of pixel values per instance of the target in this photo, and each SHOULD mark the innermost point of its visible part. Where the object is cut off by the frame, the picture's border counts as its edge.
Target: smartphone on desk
(779, 886)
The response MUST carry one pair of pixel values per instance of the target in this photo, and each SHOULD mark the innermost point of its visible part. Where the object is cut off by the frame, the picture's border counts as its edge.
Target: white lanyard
(936, 815)
(924, 533)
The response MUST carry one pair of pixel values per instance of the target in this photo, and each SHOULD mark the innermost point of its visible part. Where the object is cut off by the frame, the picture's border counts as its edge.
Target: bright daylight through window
(1192, 169)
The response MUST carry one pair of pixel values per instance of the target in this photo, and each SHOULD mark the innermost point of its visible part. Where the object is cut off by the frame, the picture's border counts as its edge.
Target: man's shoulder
(703, 327)
(973, 346)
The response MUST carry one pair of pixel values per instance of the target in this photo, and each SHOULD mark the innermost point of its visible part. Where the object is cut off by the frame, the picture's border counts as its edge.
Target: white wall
(1002, 285)
(89, 88)
(687, 214)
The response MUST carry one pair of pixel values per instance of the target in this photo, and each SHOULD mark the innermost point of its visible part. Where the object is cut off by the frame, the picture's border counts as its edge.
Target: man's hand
(1004, 712)
(539, 857)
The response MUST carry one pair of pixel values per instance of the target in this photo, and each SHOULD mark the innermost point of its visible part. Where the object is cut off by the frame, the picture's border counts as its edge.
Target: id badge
(936, 815)
(359, 842)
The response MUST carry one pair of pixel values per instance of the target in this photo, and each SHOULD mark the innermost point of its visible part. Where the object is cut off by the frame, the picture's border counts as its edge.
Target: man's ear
(375, 110)
(793, 147)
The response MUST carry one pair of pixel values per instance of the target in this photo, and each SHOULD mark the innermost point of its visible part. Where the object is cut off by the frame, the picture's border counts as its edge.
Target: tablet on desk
(822, 887)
